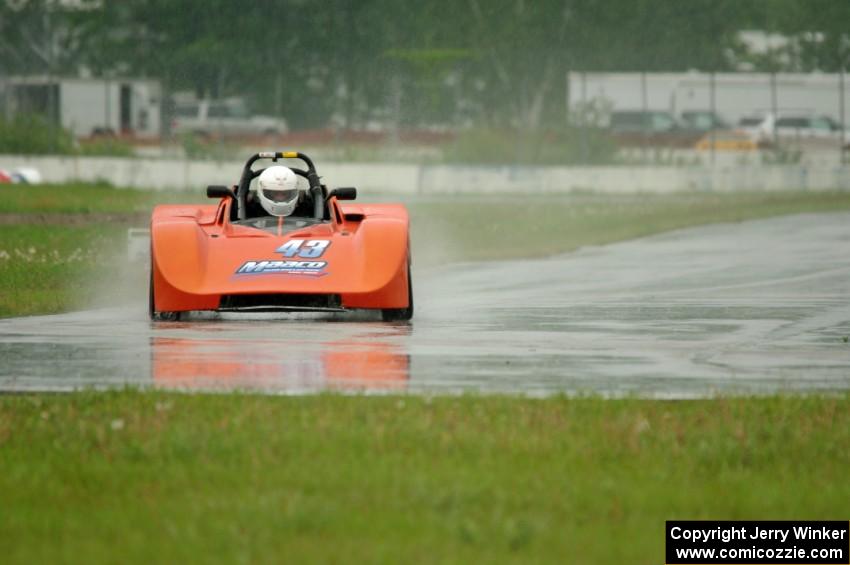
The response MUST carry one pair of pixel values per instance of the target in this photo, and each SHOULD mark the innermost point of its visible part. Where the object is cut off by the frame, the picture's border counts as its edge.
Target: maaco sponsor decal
(310, 249)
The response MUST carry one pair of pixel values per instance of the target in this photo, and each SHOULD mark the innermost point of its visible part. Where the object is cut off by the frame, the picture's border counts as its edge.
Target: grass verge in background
(56, 242)
(163, 477)
(492, 227)
(64, 246)
(86, 198)
(51, 268)
(31, 134)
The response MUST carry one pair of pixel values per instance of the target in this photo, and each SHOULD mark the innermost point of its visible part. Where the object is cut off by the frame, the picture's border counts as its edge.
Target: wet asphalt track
(736, 308)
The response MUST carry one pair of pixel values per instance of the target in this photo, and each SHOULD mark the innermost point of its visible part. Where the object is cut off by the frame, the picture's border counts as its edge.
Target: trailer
(88, 106)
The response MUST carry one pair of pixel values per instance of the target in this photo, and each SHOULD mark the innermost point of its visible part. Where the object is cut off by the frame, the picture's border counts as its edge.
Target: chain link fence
(710, 117)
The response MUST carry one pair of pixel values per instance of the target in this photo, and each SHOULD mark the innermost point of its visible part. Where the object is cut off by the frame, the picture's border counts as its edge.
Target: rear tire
(401, 314)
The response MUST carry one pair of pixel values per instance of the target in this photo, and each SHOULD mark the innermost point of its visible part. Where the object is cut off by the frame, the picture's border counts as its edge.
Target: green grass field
(159, 477)
(61, 245)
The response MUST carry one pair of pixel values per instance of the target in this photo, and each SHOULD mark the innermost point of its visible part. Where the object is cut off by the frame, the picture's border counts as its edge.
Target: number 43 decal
(310, 249)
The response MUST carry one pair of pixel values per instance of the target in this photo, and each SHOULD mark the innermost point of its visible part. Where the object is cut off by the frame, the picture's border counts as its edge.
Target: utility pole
(107, 106)
(52, 101)
(774, 106)
(713, 103)
(644, 120)
(711, 85)
(583, 116)
(841, 116)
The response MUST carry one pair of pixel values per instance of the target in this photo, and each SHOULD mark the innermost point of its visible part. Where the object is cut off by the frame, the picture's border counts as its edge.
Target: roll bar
(248, 174)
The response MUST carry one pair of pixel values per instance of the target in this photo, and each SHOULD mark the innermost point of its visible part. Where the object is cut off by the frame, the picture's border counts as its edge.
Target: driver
(277, 190)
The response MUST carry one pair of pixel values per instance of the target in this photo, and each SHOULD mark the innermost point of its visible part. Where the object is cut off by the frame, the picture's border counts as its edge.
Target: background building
(87, 106)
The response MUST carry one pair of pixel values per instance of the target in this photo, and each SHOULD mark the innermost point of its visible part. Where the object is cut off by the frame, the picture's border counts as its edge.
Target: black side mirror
(348, 193)
(217, 191)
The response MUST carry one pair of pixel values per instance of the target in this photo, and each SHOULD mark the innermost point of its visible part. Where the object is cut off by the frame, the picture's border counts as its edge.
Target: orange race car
(280, 241)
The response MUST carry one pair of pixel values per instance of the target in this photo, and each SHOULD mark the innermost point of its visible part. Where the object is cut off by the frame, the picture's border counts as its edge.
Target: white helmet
(277, 189)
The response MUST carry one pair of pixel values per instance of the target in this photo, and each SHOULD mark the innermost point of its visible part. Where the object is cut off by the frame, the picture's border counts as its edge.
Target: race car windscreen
(273, 225)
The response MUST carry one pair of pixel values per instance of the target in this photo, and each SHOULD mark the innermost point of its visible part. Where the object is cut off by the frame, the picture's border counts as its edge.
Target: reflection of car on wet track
(323, 257)
(372, 364)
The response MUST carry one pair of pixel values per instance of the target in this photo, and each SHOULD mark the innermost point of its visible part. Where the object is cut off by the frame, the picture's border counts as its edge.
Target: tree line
(497, 63)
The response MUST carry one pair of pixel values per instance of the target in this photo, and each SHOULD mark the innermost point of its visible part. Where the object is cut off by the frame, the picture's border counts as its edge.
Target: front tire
(401, 314)
(152, 313)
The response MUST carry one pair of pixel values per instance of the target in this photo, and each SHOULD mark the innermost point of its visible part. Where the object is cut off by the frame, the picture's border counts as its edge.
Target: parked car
(640, 121)
(702, 121)
(726, 140)
(223, 118)
(810, 127)
(759, 127)
(793, 126)
(649, 127)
